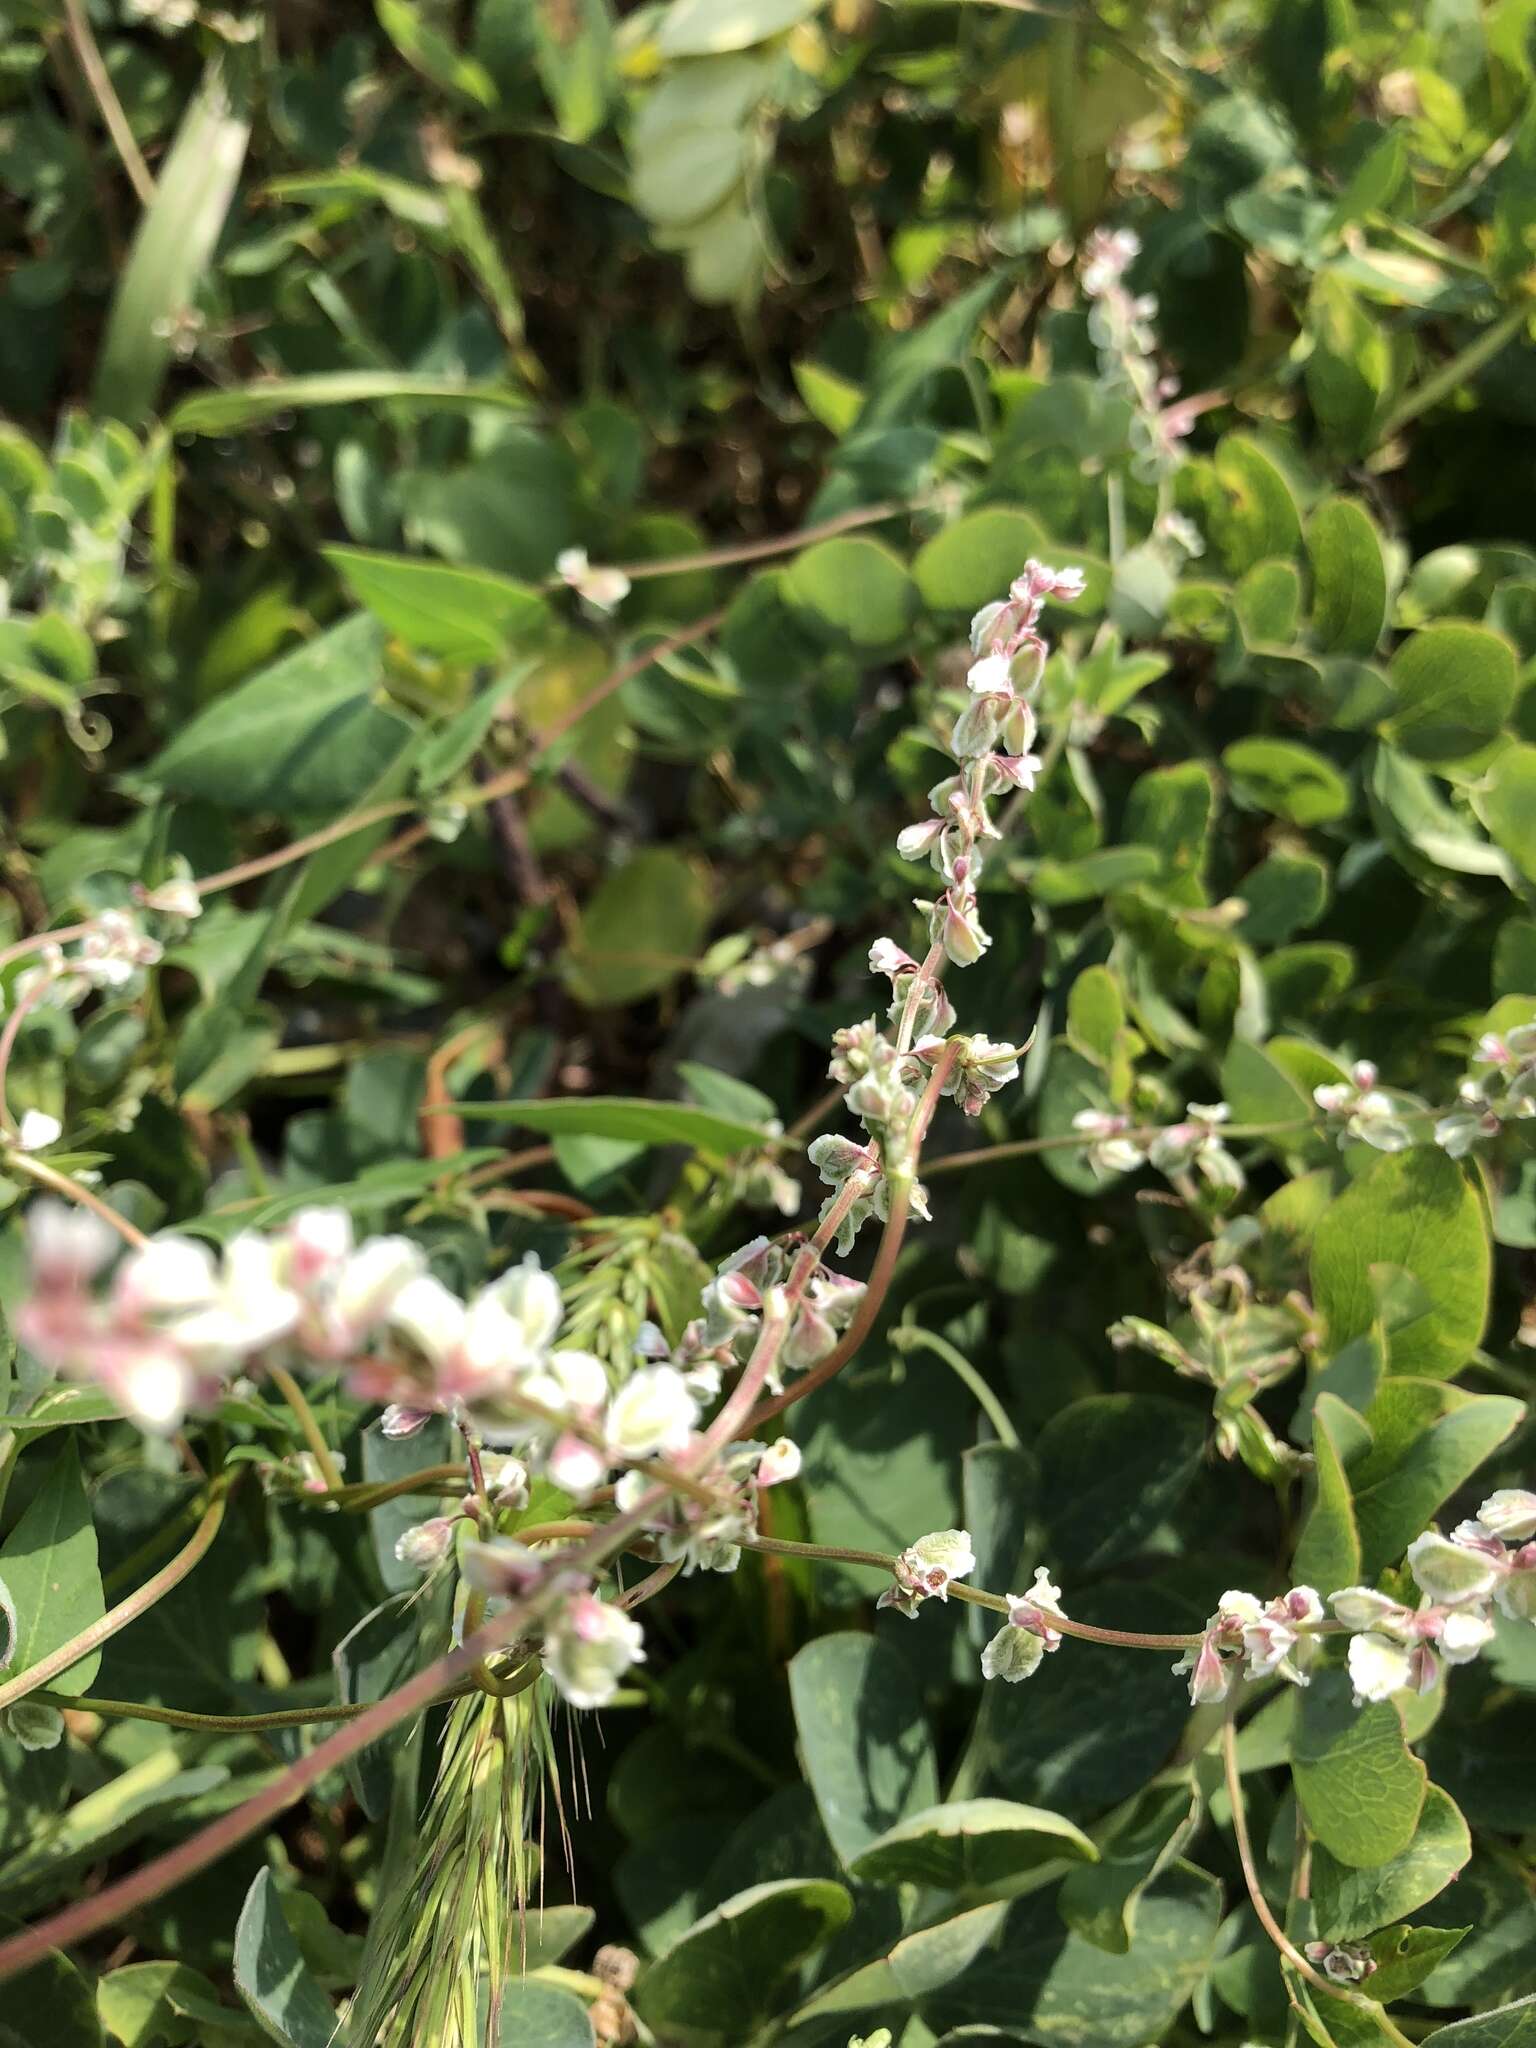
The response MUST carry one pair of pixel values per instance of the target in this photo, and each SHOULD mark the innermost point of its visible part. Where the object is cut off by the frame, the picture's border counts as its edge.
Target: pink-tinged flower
(588, 1648)
(779, 1463)
(926, 1569)
(66, 1247)
(426, 1544)
(886, 957)
(1016, 1651)
(956, 925)
(1346, 1962)
(576, 1467)
(399, 1421)
(1108, 1147)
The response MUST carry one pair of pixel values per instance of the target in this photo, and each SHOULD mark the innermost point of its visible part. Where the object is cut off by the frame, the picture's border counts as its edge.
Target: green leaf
(304, 736)
(1170, 809)
(853, 591)
(1255, 518)
(1328, 1553)
(632, 1122)
(171, 247)
(1113, 1467)
(1414, 819)
(49, 1566)
(410, 28)
(1512, 2026)
(1399, 1490)
(1350, 370)
(1100, 1902)
(970, 1845)
(919, 1963)
(1291, 780)
(62, 1407)
(271, 1977)
(457, 614)
(725, 1975)
(1096, 1015)
(1361, 1788)
(1349, 578)
(542, 2016)
(226, 412)
(970, 563)
(711, 28)
(1506, 803)
(1037, 1986)
(573, 48)
(49, 2005)
(105, 1821)
(863, 1738)
(1417, 1210)
(135, 2008)
(641, 928)
(1405, 1956)
(1454, 686)
(1352, 1902)
(199, 1074)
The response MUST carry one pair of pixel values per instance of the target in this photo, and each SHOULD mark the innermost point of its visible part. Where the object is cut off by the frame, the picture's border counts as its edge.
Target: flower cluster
(991, 741)
(1193, 1144)
(109, 954)
(884, 1076)
(1363, 1111)
(1120, 327)
(1267, 1638)
(1488, 1560)
(1500, 1089)
(749, 1286)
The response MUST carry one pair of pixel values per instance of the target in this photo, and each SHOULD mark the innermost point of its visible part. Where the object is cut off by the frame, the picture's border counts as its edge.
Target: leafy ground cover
(533, 534)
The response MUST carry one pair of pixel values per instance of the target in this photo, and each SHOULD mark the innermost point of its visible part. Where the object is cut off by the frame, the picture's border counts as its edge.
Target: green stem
(970, 1596)
(372, 1493)
(910, 1338)
(116, 1618)
(311, 1431)
(212, 1724)
(1261, 1906)
(1464, 364)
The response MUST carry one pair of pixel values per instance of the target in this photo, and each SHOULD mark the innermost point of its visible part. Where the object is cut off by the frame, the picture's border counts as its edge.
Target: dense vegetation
(493, 498)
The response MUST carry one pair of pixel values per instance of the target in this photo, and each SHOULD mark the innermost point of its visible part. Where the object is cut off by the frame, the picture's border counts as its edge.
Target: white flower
(532, 1298)
(38, 1130)
(653, 1412)
(66, 1246)
(1509, 1514)
(589, 1648)
(154, 1385)
(170, 1275)
(1378, 1667)
(1451, 1573)
(506, 1479)
(1014, 1653)
(316, 1242)
(926, 1569)
(603, 589)
(1464, 1634)
(428, 1316)
(991, 676)
(779, 1463)
(250, 1307)
(175, 899)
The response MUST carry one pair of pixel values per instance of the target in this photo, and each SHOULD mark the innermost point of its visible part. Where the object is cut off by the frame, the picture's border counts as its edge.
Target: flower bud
(426, 1544)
